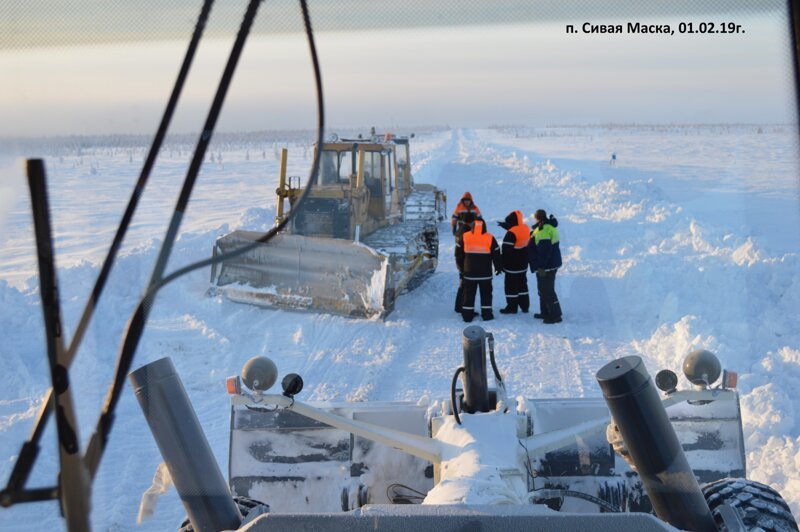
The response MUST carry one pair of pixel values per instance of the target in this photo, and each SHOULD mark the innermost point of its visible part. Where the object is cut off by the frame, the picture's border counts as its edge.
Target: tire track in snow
(341, 357)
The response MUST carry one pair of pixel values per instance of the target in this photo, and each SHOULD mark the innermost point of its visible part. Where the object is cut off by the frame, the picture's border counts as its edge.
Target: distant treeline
(57, 145)
(638, 129)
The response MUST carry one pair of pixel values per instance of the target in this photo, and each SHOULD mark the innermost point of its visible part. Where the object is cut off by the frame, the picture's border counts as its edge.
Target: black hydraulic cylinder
(476, 387)
(183, 445)
(653, 445)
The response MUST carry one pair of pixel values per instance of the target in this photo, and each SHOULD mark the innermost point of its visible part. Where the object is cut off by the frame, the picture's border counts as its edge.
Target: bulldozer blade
(305, 273)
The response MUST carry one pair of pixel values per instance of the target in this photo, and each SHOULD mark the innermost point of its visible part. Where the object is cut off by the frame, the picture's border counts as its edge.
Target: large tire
(759, 506)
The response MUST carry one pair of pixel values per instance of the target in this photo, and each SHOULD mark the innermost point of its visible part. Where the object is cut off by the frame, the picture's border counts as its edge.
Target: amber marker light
(234, 385)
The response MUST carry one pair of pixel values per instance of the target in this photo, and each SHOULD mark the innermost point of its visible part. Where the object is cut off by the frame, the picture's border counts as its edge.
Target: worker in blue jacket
(544, 255)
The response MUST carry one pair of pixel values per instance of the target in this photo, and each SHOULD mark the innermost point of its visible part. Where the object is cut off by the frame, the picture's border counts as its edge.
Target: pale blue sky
(527, 73)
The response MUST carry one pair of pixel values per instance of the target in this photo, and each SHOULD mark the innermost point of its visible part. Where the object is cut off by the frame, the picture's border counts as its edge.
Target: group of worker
(477, 254)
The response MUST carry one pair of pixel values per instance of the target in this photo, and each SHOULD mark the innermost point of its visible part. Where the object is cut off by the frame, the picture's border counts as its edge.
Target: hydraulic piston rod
(194, 471)
(653, 445)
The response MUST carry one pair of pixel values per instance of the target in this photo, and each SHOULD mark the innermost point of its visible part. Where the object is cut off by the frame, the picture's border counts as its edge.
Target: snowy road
(647, 271)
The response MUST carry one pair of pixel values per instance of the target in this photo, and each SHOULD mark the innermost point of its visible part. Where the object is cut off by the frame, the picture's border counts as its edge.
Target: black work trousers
(516, 285)
(471, 287)
(460, 294)
(548, 300)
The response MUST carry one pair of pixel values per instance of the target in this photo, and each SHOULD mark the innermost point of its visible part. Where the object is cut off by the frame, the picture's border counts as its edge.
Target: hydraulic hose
(553, 493)
(496, 371)
(453, 394)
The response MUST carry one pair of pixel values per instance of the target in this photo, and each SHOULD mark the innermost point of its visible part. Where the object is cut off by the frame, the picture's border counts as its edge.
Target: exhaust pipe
(653, 445)
(476, 387)
(194, 471)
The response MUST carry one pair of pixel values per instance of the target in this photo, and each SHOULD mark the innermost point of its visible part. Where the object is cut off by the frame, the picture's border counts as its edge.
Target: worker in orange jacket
(476, 252)
(466, 220)
(465, 204)
(515, 263)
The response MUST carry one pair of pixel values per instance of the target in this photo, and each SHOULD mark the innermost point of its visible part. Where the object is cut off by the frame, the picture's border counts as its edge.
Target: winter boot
(508, 310)
(539, 316)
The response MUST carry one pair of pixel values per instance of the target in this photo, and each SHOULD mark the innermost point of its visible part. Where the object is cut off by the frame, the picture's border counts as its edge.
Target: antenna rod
(73, 482)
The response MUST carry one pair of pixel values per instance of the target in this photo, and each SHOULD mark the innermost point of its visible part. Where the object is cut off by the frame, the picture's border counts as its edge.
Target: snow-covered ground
(690, 241)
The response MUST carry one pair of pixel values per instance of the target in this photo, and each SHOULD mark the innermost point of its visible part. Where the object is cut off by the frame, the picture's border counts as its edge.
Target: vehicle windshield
(328, 168)
(659, 139)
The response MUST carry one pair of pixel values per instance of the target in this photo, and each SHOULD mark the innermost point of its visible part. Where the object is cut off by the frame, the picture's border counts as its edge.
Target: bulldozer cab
(361, 187)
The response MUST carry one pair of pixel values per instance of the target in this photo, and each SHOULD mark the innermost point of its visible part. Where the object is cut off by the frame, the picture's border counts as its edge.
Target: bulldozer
(364, 234)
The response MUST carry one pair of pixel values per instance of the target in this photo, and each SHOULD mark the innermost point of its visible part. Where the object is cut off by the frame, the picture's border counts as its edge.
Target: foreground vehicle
(555, 464)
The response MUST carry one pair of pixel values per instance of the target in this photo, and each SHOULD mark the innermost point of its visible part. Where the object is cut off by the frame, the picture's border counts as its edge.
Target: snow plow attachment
(302, 465)
(305, 273)
(678, 455)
